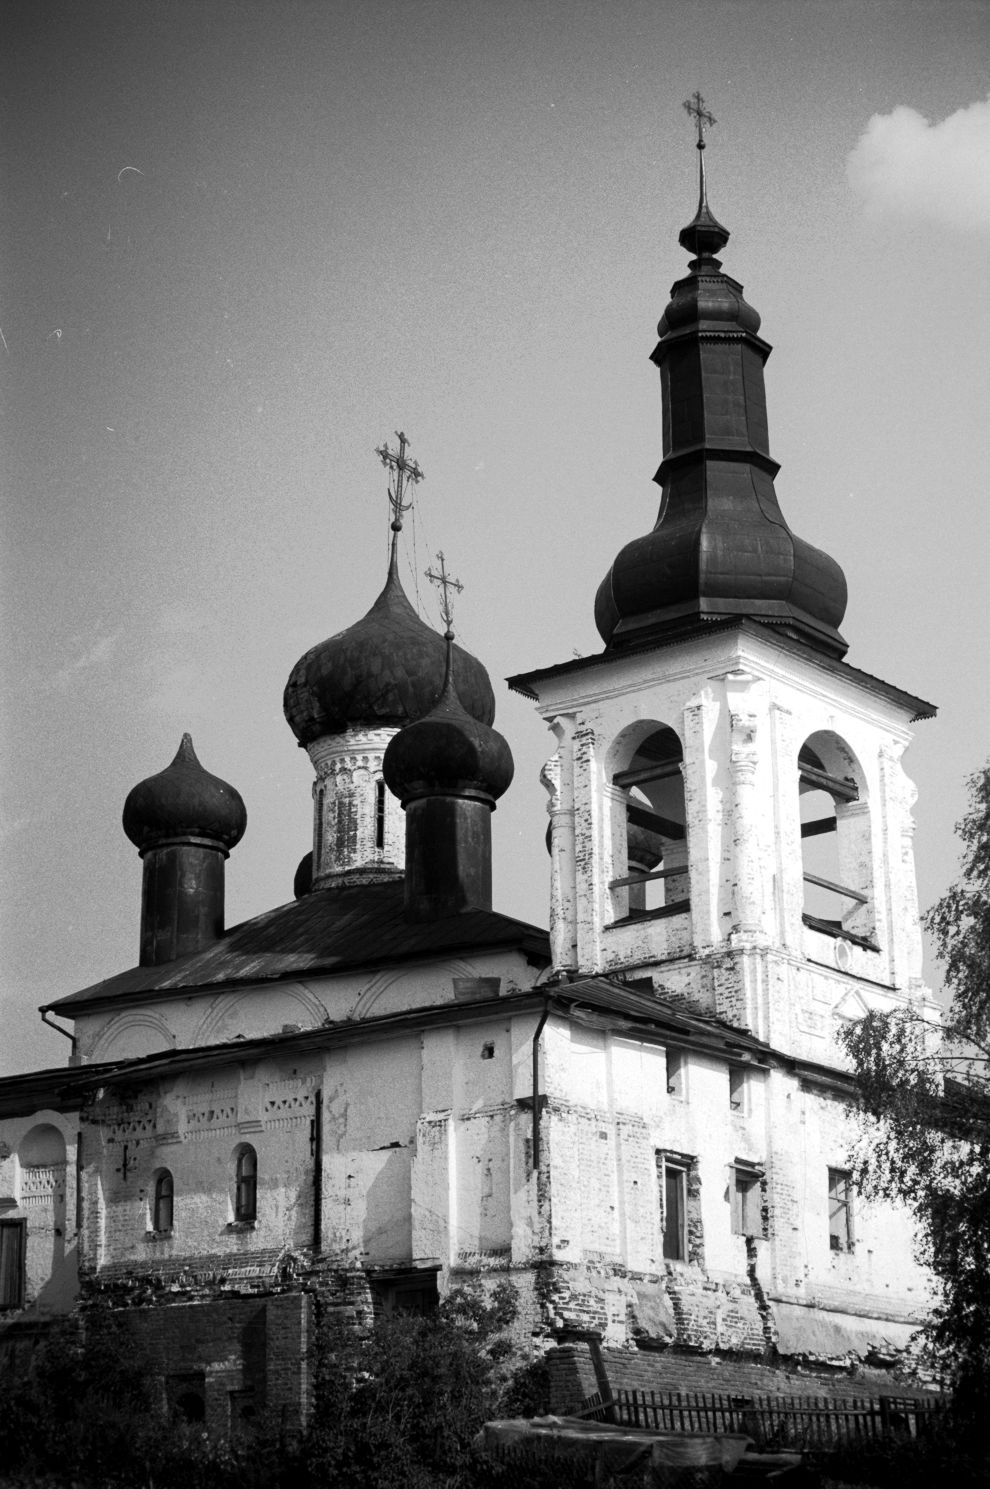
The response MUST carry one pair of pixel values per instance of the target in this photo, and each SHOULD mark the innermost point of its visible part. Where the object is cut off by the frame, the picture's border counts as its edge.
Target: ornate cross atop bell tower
(729, 815)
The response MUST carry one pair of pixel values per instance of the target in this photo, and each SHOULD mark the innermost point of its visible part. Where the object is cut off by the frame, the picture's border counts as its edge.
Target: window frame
(163, 1201)
(675, 1244)
(746, 1189)
(246, 1186)
(841, 1236)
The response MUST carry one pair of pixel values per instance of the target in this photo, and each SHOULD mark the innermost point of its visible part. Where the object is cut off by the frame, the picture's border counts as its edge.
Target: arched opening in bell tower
(649, 878)
(836, 841)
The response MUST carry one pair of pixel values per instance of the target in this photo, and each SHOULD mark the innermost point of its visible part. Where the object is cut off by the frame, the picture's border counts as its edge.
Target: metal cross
(402, 470)
(445, 584)
(695, 106)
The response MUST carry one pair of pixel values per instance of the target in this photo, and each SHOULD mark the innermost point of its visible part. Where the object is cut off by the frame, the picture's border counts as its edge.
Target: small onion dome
(448, 753)
(384, 671)
(302, 884)
(184, 801)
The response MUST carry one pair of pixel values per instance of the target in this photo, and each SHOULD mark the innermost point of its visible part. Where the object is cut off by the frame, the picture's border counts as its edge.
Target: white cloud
(904, 166)
(98, 655)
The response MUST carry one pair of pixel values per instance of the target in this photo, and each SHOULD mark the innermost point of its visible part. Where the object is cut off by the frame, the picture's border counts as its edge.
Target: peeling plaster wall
(609, 1113)
(742, 708)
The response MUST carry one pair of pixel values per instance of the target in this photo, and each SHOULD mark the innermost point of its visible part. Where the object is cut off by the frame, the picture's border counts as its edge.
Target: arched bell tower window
(650, 836)
(836, 842)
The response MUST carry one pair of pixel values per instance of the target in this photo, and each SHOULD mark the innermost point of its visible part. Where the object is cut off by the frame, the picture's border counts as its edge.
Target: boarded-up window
(13, 1234)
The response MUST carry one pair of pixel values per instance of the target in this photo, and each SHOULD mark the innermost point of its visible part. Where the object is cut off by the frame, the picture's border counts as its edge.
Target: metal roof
(334, 930)
(525, 682)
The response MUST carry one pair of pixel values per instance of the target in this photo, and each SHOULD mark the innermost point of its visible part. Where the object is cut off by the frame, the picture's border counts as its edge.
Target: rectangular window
(840, 1211)
(409, 1292)
(746, 1195)
(674, 1212)
(13, 1235)
(676, 1073)
(738, 1092)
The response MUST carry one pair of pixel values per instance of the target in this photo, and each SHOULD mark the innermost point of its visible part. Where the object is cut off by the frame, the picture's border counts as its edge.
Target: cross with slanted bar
(695, 106)
(445, 584)
(402, 470)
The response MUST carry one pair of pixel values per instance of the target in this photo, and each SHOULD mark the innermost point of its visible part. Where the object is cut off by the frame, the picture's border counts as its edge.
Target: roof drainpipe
(536, 1084)
(74, 1056)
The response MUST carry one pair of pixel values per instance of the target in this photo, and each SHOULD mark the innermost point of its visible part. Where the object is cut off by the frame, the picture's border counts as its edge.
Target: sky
(242, 244)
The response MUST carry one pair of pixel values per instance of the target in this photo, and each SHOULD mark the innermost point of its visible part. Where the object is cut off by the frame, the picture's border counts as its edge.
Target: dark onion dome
(382, 672)
(720, 547)
(448, 753)
(302, 884)
(184, 801)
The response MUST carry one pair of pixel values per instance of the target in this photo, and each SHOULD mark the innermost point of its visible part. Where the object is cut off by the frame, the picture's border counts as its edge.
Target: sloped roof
(334, 930)
(594, 1002)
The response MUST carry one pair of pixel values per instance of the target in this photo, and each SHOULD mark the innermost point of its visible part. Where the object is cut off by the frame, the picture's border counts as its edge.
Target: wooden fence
(771, 1421)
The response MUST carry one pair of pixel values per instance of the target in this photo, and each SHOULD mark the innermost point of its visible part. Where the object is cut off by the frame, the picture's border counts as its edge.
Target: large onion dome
(184, 801)
(448, 753)
(383, 672)
(720, 547)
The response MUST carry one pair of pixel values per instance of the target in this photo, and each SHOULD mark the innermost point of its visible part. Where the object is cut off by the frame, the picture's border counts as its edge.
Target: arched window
(836, 842)
(246, 1184)
(162, 1209)
(650, 845)
(379, 814)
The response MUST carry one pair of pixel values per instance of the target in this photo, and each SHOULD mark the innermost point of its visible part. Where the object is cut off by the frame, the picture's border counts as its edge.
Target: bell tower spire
(720, 548)
(704, 235)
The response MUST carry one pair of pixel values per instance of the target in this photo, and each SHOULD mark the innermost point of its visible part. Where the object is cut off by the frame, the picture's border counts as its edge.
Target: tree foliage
(925, 1098)
(396, 1405)
(400, 1406)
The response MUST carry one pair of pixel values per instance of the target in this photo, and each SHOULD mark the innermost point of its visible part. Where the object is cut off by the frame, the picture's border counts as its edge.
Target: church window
(13, 1234)
(413, 1292)
(380, 815)
(318, 845)
(739, 1089)
(161, 1219)
(840, 1210)
(676, 1075)
(836, 847)
(650, 845)
(246, 1185)
(674, 1212)
(680, 1207)
(746, 1198)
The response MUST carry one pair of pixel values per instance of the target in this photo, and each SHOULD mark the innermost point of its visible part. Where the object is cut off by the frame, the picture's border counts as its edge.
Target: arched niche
(836, 840)
(648, 876)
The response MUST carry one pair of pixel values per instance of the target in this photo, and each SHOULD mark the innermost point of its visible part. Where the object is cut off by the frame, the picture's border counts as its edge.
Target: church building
(385, 1088)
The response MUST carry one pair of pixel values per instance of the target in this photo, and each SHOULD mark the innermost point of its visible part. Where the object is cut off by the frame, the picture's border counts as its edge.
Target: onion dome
(448, 753)
(720, 547)
(302, 884)
(184, 801)
(383, 672)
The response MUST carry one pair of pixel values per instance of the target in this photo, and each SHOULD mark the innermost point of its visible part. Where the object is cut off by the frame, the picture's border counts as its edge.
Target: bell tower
(730, 818)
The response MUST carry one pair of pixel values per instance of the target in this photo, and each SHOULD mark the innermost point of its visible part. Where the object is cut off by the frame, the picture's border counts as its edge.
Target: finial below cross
(402, 470)
(445, 583)
(695, 106)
